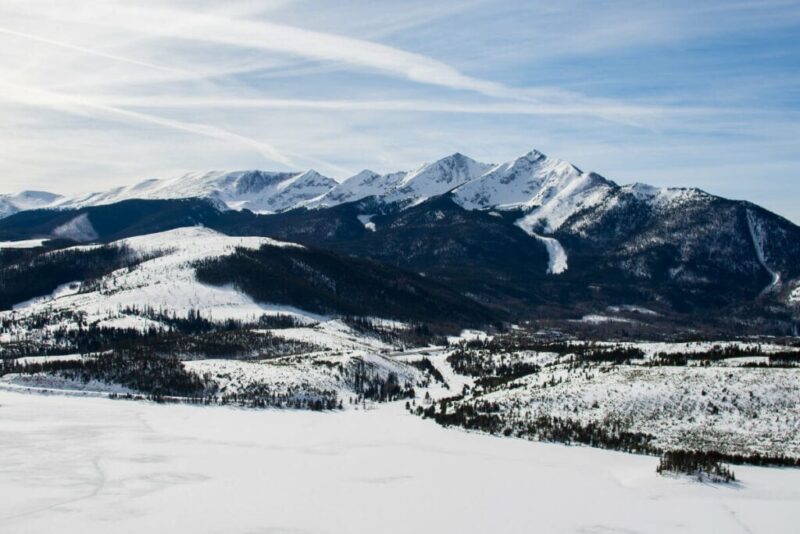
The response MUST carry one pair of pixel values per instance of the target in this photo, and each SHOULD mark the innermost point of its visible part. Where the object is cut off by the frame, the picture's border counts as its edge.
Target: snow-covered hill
(734, 410)
(165, 281)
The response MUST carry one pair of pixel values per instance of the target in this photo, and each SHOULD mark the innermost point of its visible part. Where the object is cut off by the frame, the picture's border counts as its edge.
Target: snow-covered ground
(97, 466)
(332, 335)
(729, 409)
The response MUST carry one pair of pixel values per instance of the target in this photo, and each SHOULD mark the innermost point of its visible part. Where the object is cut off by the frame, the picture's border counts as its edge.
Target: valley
(540, 328)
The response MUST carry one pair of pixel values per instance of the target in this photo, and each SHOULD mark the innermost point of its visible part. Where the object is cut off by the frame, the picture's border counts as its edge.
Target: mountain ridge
(527, 181)
(533, 235)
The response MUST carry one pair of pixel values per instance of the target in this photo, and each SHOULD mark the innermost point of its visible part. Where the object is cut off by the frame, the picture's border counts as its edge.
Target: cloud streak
(32, 96)
(332, 48)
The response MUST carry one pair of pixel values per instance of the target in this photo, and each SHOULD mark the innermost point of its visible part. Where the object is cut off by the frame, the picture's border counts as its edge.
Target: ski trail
(557, 262)
(758, 243)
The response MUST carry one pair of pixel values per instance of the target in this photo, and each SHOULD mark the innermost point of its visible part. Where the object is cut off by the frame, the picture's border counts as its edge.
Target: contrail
(91, 51)
(43, 98)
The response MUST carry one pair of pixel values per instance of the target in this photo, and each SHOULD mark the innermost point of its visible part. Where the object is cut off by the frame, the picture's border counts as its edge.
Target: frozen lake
(92, 465)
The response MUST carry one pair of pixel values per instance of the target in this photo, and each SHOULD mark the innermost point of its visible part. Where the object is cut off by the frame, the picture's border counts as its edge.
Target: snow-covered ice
(96, 466)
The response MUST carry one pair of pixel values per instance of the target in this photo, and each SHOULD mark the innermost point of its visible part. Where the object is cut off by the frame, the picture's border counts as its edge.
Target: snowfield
(94, 465)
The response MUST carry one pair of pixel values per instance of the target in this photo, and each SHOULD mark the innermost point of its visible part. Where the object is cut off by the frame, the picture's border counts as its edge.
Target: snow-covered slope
(26, 200)
(258, 191)
(165, 281)
(7, 208)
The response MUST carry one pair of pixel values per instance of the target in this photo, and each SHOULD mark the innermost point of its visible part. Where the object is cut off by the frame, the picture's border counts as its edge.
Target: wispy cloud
(112, 90)
(85, 50)
(42, 98)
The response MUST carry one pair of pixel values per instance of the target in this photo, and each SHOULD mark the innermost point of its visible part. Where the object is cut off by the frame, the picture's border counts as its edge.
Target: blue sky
(100, 93)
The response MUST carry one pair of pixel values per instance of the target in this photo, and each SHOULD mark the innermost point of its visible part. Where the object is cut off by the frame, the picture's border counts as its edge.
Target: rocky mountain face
(534, 235)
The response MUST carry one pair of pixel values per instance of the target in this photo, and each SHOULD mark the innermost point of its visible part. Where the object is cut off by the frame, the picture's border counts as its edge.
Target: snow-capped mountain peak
(364, 184)
(548, 191)
(437, 178)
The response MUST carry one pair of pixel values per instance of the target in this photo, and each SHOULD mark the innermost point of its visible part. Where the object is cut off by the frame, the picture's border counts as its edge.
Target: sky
(100, 93)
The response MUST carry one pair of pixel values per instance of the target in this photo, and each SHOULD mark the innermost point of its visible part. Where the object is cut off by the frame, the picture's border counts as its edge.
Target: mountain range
(532, 237)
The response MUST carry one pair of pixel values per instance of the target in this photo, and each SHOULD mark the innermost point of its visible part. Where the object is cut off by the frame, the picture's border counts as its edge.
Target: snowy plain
(95, 465)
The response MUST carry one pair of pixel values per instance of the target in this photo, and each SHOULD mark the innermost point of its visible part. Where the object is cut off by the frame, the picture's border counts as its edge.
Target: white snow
(303, 374)
(25, 200)
(332, 335)
(557, 257)
(632, 308)
(28, 243)
(366, 221)
(70, 288)
(94, 465)
(469, 335)
(594, 318)
(663, 196)
(364, 184)
(78, 229)
(258, 191)
(48, 384)
(727, 408)
(549, 189)
(435, 178)
(557, 263)
(795, 295)
(43, 359)
(652, 348)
